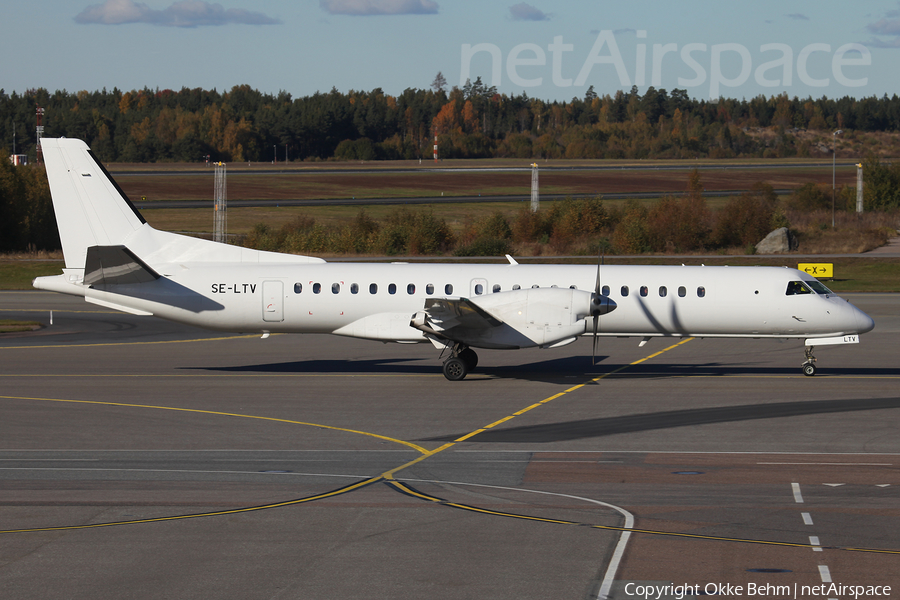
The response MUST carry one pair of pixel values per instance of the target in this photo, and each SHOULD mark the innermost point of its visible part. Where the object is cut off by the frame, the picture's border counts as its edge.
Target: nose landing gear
(809, 367)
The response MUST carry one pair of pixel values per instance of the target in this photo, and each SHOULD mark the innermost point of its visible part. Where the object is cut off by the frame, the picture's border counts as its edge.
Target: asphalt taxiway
(145, 459)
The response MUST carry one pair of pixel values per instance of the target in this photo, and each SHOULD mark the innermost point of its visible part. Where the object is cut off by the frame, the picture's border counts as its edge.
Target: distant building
(18, 159)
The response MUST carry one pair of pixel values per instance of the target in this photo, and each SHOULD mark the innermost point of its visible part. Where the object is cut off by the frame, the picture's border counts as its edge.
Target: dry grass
(852, 233)
(10, 326)
(38, 255)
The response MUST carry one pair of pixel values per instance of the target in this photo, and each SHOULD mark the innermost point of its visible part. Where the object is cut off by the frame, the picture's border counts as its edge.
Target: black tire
(469, 357)
(455, 369)
(809, 369)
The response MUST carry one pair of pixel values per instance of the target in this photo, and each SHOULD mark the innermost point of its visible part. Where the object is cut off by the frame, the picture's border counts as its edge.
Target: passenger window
(795, 288)
(448, 289)
(335, 288)
(604, 291)
(535, 286)
(298, 287)
(411, 289)
(701, 292)
(682, 291)
(317, 287)
(496, 288)
(663, 292)
(429, 289)
(644, 290)
(624, 290)
(354, 288)
(516, 286)
(392, 288)
(373, 288)
(479, 289)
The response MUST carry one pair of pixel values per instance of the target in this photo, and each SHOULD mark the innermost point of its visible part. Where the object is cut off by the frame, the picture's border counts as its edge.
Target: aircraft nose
(864, 322)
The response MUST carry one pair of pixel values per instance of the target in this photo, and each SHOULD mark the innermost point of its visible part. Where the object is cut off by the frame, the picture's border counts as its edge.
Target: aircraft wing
(447, 314)
(545, 317)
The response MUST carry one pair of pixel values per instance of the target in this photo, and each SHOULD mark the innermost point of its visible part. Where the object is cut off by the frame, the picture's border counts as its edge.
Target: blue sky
(550, 50)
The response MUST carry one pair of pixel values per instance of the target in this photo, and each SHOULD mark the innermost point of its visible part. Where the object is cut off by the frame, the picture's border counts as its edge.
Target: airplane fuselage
(376, 300)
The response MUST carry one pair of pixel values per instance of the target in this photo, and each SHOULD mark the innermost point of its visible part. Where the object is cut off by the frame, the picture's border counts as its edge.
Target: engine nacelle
(538, 316)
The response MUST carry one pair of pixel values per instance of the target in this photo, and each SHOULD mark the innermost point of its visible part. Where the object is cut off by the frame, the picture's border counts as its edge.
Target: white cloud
(526, 12)
(184, 13)
(379, 7)
(885, 27)
(888, 26)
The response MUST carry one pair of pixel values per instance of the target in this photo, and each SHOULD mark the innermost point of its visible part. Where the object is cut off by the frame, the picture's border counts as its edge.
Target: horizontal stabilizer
(117, 306)
(115, 265)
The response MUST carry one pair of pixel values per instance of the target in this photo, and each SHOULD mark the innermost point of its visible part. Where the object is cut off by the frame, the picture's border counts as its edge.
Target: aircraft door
(273, 301)
(478, 287)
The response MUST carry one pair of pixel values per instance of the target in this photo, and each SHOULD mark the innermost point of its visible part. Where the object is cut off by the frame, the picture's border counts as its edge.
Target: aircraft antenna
(220, 215)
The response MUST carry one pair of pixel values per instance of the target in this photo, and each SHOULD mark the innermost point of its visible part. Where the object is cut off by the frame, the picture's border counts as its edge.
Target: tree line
(472, 121)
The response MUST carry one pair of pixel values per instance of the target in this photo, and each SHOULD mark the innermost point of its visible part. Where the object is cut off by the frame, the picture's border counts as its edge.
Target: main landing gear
(462, 360)
(809, 367)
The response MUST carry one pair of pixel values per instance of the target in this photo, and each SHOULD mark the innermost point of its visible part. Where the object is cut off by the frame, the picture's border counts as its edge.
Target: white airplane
(116, 260)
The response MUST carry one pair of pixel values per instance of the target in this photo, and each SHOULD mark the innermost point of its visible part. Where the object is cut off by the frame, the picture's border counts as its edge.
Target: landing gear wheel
(469, 357)
(455, 369)
(809, 367)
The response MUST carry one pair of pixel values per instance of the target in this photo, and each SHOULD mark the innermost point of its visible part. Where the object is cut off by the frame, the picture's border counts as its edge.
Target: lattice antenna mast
(40, 133)
(535, 195)
(221, 214)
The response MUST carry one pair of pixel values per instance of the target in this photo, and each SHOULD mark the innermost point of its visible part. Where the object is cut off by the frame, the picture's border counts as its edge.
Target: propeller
(596, 310)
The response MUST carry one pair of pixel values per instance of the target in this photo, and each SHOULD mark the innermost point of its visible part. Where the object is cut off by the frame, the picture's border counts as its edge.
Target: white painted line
(797, 497)
(618, 553)
(830, 464)
(834, 484)
(49, 460)
(814, 541)
(825, 574)
(593, 462)
(807, 520)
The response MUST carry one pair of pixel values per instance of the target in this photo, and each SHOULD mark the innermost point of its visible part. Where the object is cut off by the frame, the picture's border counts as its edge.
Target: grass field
(473, 163)
(146, 189)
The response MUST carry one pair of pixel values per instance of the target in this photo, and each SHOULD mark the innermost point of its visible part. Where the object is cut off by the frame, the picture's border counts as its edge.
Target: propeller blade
(596, 311)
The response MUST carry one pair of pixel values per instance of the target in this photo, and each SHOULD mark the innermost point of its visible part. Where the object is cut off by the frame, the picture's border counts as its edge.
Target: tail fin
(91, 209)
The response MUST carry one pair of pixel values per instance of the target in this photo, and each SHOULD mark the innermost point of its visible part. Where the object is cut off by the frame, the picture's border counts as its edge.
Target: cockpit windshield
(795, 288)
(806, 287)
(818, 287)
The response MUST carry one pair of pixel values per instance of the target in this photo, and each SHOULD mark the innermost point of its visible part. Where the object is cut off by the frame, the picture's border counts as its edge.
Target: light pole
(833, 154)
